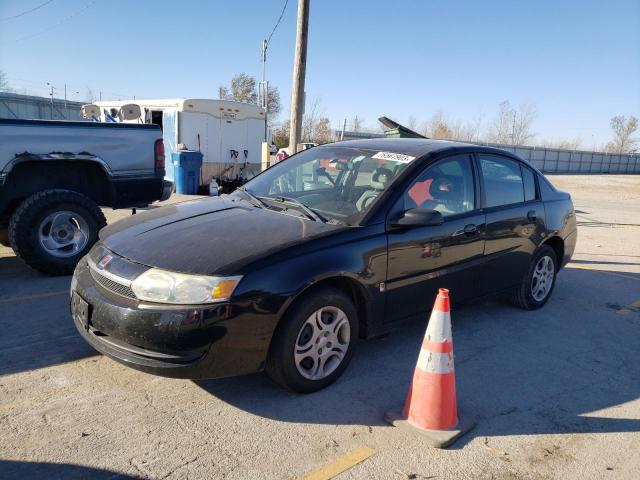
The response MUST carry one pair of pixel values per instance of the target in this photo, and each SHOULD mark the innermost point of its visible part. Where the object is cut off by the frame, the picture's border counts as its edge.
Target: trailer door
(169, 138)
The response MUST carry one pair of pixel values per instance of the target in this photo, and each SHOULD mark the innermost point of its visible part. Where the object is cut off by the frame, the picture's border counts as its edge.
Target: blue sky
(577, 61)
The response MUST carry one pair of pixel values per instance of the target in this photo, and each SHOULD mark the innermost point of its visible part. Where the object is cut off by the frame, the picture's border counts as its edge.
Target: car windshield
(333, 184)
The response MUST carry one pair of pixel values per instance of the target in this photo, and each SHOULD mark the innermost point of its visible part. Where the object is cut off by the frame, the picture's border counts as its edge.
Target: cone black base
(435, 438)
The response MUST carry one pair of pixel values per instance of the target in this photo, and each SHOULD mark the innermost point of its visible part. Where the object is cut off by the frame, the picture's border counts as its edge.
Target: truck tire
(4, 235)
(53, 229)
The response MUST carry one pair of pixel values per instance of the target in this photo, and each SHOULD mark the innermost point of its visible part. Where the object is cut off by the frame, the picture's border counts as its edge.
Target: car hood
(219, 235)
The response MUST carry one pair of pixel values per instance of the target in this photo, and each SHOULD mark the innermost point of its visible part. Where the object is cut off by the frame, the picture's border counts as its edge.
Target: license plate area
(80, 310)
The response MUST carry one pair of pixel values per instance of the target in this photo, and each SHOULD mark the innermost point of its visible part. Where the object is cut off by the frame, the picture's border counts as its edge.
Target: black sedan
(338, 242)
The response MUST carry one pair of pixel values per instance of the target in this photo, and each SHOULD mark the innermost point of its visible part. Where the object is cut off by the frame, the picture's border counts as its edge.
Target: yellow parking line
(606, 272)
(340, 465)
(634, 307)
(34, 296)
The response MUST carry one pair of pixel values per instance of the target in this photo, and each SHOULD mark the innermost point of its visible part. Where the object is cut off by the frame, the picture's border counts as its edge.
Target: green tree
(243, 88)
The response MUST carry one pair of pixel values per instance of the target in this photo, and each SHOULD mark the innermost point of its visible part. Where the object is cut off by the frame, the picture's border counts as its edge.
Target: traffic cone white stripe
(431, 362)
(439, 328)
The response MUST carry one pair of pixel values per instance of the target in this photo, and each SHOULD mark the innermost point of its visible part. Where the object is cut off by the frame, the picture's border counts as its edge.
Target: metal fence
(15, 105)
(551, 160)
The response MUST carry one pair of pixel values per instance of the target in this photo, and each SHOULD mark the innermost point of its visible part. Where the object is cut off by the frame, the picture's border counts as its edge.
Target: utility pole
(263, 91)
(299, 71)
(51, 94)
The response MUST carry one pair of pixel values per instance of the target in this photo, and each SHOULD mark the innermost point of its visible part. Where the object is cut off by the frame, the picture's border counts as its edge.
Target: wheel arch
(350, 286)
(28, 174)
(557, 244)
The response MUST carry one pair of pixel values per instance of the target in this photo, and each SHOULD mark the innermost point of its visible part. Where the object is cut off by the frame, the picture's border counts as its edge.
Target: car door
(514, 220)
(423, 259)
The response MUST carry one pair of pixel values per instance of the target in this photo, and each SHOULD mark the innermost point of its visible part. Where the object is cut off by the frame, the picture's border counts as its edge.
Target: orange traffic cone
(431, 407)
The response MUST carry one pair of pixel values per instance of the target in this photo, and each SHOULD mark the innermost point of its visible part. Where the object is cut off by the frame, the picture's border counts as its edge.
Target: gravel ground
(555, 392)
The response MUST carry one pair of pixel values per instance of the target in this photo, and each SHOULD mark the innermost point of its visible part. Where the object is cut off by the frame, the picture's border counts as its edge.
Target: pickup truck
(54, 175)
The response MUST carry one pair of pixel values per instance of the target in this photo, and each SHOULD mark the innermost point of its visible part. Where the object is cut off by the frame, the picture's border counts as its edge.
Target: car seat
(380, 179)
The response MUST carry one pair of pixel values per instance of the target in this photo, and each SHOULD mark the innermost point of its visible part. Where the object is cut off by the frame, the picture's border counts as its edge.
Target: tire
(285, 368)
(528, 296)
(4, 235)
(35, 240)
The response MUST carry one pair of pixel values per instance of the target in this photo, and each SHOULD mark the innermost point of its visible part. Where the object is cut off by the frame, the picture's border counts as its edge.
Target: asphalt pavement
(555, 392)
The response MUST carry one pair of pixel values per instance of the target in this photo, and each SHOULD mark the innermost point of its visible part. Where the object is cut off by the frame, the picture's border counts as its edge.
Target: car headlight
(162, 286)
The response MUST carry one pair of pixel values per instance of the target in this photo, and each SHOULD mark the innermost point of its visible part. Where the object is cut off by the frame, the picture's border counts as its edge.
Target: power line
(26, 12)
(56, 25)
(284, 7)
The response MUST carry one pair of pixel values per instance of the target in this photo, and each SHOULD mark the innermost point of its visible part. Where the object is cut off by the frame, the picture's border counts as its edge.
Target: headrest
(381, 178)
(442, 188)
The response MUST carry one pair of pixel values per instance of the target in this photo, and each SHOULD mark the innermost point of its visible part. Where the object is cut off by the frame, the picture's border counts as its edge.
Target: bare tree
(310, 119)
(89, 96)
(4, 83)
(438, 127)
(570, 144)
(412, 123)
(281, 134)
(513, 126)
(356, 123)
(322, 131)
(501, 126)
(623, 139)
(471, 131)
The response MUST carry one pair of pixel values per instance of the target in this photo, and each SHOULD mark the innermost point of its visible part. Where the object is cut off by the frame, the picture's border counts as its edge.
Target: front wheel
(313, 344)
(51, 230)
(537, 285)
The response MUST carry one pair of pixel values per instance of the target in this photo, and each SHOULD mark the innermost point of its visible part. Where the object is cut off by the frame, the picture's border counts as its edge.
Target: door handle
(470, 229)
(531, 215)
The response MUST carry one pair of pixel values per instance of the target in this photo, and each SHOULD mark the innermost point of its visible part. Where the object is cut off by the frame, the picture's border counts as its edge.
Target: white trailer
(229, 134)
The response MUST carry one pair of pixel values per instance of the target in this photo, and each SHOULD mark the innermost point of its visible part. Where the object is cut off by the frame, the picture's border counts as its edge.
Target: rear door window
(502, 180)
(529, 184)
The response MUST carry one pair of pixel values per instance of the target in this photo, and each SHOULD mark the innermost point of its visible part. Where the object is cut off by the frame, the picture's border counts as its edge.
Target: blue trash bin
(186, 171)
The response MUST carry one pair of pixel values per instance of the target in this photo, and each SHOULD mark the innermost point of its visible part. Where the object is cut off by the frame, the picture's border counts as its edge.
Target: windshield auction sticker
(393, 157)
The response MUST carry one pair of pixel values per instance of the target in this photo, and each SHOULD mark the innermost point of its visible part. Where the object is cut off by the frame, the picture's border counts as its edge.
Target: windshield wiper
(311, 213)
(255, 200)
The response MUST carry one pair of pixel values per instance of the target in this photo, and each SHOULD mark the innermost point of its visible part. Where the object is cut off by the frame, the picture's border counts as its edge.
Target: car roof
(408, 146)
(419, 147)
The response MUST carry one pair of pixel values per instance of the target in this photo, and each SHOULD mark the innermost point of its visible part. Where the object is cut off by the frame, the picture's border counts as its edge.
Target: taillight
(159, 154)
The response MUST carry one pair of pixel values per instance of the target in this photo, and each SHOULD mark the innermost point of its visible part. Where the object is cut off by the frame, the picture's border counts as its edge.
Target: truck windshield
(339, 184)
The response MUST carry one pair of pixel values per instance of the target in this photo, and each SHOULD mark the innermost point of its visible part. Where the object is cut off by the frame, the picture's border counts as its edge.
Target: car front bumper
(198, 342)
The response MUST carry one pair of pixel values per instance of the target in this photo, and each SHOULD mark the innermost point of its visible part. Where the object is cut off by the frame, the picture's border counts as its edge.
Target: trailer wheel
(53, 229)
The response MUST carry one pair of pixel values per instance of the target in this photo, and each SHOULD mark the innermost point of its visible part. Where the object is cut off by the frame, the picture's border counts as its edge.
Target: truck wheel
(4, 235)
(53, 229)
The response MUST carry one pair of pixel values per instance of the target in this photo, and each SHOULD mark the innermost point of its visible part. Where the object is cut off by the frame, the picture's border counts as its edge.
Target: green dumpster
(395, 130)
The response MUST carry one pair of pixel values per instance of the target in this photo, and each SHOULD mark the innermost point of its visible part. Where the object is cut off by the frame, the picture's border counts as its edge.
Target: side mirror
(418, 217)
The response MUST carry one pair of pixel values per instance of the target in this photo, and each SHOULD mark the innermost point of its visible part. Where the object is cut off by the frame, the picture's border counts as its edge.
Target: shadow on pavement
(52, 471)
(518, 372)
(37, 330)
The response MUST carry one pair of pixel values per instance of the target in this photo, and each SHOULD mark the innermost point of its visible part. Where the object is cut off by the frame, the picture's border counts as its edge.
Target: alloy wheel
(543, 277)
(322, 343)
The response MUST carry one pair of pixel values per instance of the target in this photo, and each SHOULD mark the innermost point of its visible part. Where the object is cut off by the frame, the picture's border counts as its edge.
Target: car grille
(111, 285)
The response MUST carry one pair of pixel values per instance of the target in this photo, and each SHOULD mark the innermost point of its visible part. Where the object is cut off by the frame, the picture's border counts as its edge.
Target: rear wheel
(536, 287)
(313, 344)
(53, 229)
